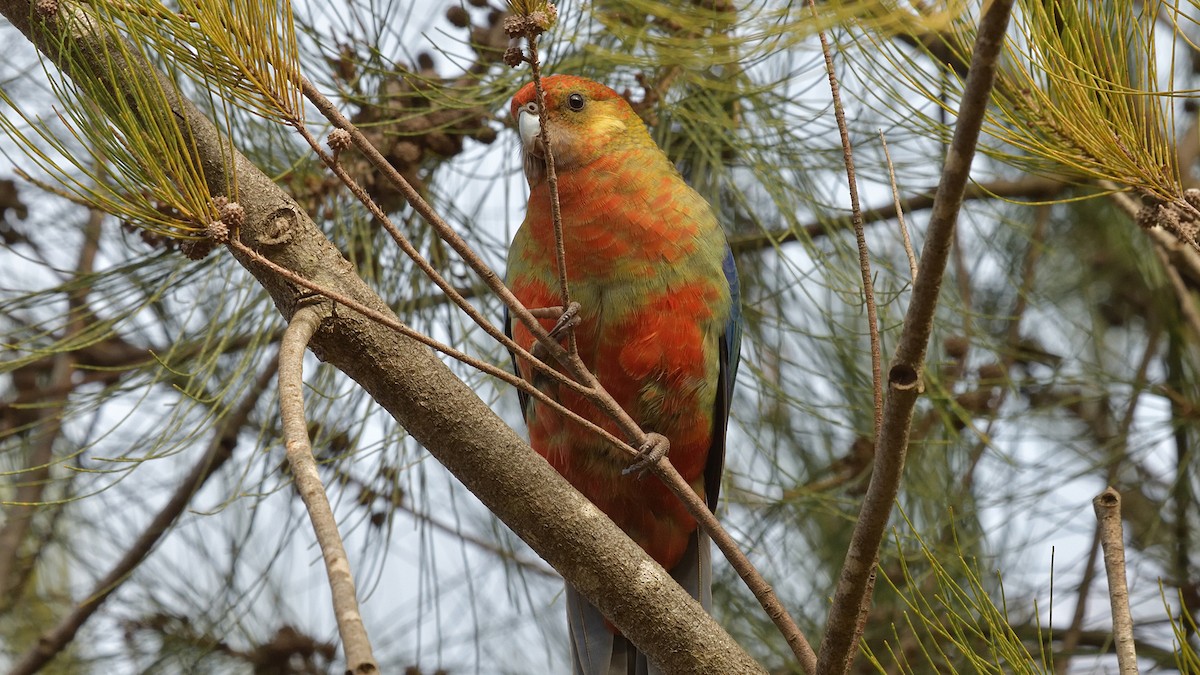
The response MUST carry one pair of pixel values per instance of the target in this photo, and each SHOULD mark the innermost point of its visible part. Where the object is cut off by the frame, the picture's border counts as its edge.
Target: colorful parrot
(658, 325)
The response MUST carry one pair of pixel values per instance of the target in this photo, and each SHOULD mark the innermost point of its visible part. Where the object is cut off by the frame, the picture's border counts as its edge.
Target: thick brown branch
(854, 587)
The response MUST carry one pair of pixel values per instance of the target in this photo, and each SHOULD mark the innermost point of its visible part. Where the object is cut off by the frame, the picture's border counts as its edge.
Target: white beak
(529, 127)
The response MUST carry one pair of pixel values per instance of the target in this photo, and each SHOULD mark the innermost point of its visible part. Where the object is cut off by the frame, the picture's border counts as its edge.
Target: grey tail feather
(595, 650)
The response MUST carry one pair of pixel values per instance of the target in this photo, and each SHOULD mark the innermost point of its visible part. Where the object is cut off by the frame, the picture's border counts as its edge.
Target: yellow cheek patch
(606, 126)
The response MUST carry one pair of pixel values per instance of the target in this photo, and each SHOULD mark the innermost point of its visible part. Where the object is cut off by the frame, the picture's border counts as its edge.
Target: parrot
(658, 324)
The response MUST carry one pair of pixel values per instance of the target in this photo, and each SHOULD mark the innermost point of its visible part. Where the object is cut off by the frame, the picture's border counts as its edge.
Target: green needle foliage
(1079, 94)
(951, 621)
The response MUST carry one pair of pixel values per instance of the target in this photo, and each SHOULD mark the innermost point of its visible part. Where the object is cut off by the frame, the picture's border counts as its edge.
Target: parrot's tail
(597, 650)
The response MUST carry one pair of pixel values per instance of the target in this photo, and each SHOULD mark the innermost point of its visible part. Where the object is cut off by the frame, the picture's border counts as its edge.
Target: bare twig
(220, 450)
(854, 587)
(856, 220)
(450, 293)
(560, 250)
(1029, 187)
(868, 289)
(908, 249)
(489, 277)
(1107, 505)
(357, 645)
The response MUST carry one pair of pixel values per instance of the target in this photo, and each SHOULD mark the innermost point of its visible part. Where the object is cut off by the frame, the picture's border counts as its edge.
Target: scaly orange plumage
(650, 268)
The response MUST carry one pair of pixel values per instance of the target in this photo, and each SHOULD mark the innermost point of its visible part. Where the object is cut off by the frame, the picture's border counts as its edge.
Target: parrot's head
(585, 119)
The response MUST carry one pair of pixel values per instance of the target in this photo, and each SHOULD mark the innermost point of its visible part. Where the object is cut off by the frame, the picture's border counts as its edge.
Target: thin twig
(560, 250)
(868, 289)
(450, 292)
(1107, 505)
(220, 450)
(486, 274)
(853, 594)
(1029, 187)
(392, 323)
(908, 248)
(860, 236)
(355, 643)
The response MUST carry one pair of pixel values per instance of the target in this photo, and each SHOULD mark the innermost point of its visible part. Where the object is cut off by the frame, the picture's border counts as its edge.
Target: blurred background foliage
(1063, 358)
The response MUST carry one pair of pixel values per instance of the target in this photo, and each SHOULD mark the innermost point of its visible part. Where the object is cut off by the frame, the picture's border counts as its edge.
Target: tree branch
(1107, 505)
(1030, 187)
(355, 643)
(904, 375)
(868, 291)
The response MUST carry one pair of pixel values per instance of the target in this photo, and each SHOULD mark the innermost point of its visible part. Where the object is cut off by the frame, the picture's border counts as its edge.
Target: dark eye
(575, 102)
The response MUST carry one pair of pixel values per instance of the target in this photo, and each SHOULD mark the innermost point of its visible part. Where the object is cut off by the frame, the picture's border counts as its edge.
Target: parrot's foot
(568, 319)
(565, 318)
(652, 452)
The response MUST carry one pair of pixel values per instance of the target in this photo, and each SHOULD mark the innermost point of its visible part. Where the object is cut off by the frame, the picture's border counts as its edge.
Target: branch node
(278, 228)
(904, 377)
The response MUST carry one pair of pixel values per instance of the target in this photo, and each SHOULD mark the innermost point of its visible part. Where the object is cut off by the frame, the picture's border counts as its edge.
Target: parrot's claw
(652, 452)
(564, 319)
(568, 319)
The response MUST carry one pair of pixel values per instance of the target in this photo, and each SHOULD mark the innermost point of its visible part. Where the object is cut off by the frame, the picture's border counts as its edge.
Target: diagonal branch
(904, 375)
(560, 251)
